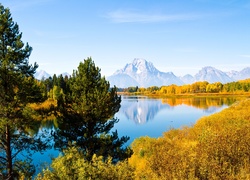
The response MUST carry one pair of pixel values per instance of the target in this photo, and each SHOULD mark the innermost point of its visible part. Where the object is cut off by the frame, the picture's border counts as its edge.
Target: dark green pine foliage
(88, 115)
(17, 89)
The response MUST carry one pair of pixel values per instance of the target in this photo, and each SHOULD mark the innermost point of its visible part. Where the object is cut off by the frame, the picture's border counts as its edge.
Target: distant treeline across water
(238, 87)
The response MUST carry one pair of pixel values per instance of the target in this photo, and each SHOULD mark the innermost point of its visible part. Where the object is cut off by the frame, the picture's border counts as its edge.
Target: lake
(144, 116)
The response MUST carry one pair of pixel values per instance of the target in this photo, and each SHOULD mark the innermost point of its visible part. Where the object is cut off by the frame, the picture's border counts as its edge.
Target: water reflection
(143, 116)
(200, 102)
(141, 109)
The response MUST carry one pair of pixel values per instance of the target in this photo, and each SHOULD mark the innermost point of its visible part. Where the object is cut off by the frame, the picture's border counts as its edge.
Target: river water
(144, 116)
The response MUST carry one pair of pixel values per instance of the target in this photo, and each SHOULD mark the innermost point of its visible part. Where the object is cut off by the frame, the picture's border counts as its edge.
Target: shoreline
(186, 95)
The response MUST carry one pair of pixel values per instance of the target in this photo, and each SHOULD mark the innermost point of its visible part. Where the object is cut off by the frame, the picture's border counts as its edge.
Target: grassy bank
(216, 147)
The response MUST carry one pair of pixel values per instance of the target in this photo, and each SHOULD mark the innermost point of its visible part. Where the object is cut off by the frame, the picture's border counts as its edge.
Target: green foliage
(18, 88)
(86, 115)
(72, 166)
(132, 89)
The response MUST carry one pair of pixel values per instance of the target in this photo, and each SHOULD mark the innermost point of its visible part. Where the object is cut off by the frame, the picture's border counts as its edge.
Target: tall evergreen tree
(17, 89)
(88, 115)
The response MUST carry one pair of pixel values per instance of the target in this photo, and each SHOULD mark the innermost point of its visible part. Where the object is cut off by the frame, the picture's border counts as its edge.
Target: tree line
(237, 87)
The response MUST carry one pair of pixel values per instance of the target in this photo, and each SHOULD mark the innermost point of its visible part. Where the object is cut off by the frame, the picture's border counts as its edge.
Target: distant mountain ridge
(243, 74)
(142, 73)
(212, 75)
(44, 75)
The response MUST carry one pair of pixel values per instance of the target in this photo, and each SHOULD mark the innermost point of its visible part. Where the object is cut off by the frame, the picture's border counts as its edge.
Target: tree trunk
(8, 154)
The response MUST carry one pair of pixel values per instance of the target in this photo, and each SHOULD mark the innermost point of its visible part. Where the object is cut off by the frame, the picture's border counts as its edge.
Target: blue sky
(181, 36)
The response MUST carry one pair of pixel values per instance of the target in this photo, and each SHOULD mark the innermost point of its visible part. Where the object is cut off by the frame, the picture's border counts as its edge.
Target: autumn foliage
(216, 147)
(202, 87)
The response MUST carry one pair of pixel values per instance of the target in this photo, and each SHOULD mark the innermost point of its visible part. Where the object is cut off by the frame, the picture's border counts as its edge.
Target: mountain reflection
(142, 109)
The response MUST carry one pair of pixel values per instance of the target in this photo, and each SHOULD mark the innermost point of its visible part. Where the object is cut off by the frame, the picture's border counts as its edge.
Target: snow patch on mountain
(42, 75)
(212, 75)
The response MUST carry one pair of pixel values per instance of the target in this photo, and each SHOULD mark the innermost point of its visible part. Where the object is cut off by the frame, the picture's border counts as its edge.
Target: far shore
(245, 94)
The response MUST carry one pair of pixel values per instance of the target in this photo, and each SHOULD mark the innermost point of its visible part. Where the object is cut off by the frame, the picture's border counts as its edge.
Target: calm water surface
(143, 116)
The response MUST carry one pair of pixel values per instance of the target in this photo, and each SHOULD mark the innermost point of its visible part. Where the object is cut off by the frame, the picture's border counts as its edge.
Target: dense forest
(84, 104)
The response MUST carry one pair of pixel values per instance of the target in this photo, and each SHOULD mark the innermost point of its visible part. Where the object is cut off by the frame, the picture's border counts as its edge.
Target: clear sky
(181, 36)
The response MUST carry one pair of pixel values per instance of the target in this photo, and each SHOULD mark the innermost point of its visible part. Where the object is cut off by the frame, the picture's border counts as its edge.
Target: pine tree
(88, 115)
(17, 89)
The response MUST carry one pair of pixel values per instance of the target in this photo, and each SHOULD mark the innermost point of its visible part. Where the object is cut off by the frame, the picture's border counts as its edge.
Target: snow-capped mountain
(143, 74)
(187, 79)
(239, 75)
(42, 75)
(65, 74)
(212, 75)
(244, 73)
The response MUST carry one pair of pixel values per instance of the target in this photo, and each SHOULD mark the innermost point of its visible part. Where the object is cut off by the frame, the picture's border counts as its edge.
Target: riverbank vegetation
(216, 147)
(241, 87)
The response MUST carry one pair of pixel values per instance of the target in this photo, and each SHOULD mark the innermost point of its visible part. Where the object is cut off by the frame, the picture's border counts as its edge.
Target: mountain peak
(209, 69)
(139, 62)
(212, 75)
(143, 66)
(42, 74)
(144, 74)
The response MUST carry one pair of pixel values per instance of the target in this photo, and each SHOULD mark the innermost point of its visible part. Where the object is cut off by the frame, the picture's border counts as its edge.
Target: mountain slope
(243, 74)
(122, 81)
(42, 75)
(187, 79)
(212, 75)
(143, 74)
